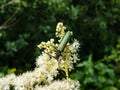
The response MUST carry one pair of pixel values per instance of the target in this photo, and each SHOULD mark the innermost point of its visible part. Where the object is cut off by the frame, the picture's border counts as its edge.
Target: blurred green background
(95, 23)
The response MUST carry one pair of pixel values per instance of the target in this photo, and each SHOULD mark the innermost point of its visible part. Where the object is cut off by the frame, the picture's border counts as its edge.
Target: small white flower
(7, 87)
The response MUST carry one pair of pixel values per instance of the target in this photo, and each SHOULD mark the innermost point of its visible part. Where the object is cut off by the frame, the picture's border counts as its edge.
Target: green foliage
(102, 74)
(114, 61)
(23, 31)
(95, 75)
(5, 70)
(115, 54)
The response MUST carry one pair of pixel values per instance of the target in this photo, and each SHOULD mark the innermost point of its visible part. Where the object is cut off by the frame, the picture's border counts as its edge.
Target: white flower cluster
(60, 85)
(47, 65)
(60, 30)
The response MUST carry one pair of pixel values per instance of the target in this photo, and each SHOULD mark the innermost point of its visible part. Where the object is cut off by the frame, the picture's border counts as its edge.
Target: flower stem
(66, 72)
(67, 76)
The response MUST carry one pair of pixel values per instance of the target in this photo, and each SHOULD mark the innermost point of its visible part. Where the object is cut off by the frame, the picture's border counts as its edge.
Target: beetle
(63, 43)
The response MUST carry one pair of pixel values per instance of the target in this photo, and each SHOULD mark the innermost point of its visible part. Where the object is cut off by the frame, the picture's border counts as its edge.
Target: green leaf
(110, 88)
